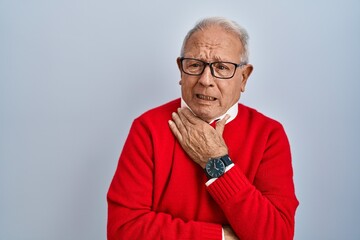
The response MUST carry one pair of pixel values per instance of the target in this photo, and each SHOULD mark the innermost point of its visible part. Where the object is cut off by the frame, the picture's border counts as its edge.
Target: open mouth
(206, 98)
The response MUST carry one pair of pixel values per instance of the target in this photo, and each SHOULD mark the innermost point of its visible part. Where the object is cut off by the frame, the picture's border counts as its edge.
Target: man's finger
(178, 121)
(175, 130)
(188, 116)
(220, 125)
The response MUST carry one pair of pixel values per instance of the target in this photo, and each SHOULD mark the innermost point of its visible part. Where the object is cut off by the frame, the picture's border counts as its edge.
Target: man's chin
(205, 113)
(205, 116)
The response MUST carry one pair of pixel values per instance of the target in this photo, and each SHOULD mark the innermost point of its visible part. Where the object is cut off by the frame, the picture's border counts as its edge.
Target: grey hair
(227, 25)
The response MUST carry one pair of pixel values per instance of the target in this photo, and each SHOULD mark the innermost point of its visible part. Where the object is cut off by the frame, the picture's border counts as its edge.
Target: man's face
(207, 96)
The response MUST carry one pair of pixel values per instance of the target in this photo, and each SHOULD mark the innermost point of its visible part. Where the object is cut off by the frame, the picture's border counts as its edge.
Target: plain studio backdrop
(74, 74)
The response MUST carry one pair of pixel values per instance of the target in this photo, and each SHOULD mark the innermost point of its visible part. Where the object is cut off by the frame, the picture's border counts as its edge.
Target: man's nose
(206, 79)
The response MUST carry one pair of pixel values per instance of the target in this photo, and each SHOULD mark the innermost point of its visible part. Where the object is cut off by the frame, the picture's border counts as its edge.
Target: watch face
(215, 168)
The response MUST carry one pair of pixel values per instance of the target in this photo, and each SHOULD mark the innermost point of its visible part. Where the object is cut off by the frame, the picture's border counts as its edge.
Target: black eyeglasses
(196, 67)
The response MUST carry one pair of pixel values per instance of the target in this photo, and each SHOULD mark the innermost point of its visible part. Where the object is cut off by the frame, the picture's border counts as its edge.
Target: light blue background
(74, 74)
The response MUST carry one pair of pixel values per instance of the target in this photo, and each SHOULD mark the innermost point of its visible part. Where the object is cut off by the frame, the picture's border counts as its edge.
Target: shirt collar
(232, 112)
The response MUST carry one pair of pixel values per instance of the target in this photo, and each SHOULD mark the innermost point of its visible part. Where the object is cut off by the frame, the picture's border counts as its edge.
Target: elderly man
(205, 166)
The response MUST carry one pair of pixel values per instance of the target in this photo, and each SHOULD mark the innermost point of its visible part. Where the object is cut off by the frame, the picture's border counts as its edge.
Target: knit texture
(158, 192)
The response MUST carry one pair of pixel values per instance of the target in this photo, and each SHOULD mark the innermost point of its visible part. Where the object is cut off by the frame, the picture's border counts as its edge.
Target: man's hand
(199, 140)
(229, 233)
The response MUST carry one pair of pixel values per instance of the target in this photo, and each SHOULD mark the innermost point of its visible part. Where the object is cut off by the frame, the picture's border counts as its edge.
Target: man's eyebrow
(218, 58)
(213, 59)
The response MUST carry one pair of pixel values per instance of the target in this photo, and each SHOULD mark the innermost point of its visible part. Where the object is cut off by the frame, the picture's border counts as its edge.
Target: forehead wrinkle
(206, 51)
(209, 46)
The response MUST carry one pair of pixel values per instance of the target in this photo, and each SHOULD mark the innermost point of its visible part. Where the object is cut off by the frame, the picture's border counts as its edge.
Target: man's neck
(232, 112)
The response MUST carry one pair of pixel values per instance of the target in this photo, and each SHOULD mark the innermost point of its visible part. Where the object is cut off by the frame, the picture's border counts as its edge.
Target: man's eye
(222, 67)
(195, 65)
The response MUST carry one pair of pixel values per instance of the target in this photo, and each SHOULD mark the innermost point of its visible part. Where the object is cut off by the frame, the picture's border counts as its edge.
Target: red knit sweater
(158, 192)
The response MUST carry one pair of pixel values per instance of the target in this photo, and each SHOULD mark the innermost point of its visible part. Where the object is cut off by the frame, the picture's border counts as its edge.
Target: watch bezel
(210, 170)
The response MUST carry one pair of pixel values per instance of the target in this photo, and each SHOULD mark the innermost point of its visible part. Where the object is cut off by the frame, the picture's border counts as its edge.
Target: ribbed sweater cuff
(211, 231)
(228, 185)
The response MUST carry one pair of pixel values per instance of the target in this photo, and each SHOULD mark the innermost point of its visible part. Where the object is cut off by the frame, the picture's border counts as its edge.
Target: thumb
(220, 125)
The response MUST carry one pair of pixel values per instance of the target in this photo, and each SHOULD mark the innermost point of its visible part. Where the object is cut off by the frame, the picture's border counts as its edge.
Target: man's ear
(246, 72)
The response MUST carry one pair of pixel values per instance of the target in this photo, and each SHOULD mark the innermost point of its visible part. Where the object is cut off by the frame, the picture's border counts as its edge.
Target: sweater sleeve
(130, 198)
(265, 208)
